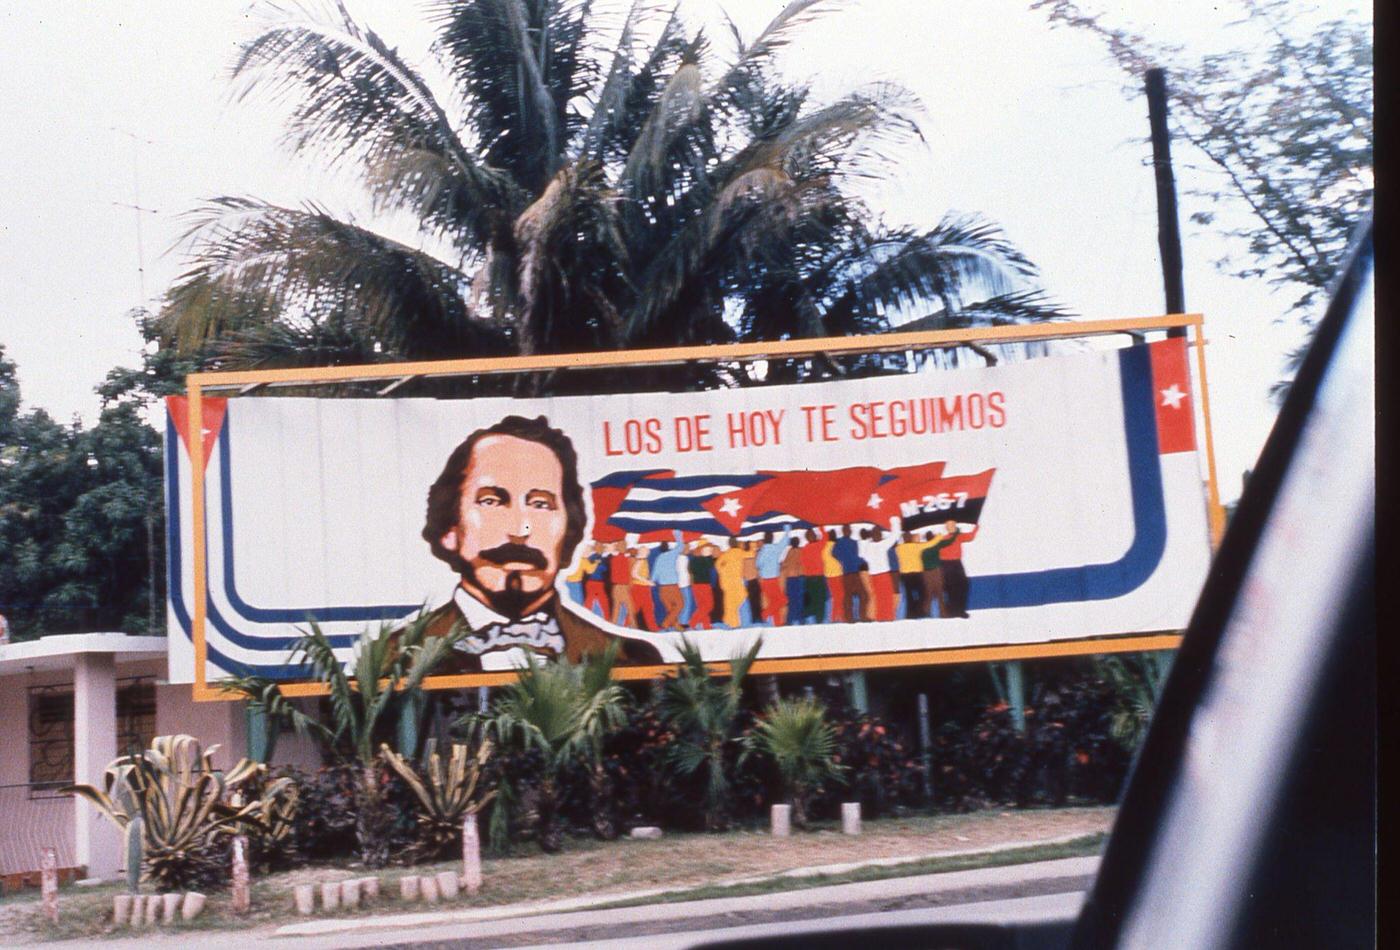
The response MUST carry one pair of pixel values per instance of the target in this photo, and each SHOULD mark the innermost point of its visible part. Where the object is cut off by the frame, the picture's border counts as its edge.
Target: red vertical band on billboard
(213, 410)
(1171, 386)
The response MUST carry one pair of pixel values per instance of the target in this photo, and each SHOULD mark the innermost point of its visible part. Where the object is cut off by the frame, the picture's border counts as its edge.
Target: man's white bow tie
(538, 631)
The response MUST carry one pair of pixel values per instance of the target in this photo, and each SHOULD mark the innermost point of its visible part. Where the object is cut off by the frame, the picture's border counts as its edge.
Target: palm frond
(555, 279)
(315, 649)
(518, 64)
(266, 695)
(354, 96)
(770, 40)
(961, 262)
(306, 262)
(677, 107)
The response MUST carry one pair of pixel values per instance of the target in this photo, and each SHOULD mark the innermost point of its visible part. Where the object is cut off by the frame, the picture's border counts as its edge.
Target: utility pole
(150, 570)
(1168, 226)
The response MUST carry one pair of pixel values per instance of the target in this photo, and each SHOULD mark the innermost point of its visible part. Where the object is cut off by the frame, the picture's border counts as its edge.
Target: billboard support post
(925, 746)
(1016, 694)
(1215, 510)
(857, 692)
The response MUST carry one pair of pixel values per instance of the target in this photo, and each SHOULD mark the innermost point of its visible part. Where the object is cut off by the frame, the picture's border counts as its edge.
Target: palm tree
(703, 710)
(795, 734)
(570, 200)
(562, 711)
(388, 666)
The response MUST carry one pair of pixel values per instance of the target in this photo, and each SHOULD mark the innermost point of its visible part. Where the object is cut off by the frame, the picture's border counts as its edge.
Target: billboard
(849, 523)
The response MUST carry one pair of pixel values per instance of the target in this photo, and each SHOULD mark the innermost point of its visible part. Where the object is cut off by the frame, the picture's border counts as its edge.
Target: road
(1014, 910)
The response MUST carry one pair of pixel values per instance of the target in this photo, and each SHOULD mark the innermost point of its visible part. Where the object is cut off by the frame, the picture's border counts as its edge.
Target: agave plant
(703, 710)
(174, 798)
(447, 793)
(274, 841)
(796, 736)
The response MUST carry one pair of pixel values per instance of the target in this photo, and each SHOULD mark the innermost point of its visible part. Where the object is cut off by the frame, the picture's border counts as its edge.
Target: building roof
(61, 651)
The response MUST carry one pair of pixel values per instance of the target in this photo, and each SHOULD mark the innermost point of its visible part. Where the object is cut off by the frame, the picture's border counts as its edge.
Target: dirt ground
(604, 868)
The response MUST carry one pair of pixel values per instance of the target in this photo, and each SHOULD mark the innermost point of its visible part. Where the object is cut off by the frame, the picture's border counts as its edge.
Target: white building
(71, 704)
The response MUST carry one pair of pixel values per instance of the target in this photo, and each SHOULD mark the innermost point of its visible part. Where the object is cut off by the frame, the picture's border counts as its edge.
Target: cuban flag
(694, 504)
(653, 504)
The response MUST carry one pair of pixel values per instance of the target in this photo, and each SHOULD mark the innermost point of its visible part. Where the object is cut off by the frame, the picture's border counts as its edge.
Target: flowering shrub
(886, 771)
(325, 822)
(1066, 753)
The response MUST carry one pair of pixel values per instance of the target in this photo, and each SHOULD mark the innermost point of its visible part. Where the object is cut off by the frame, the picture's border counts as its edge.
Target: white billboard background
(320, 504)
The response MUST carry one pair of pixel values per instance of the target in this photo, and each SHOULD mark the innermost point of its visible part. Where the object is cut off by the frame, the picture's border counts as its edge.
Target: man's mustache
(514, 554)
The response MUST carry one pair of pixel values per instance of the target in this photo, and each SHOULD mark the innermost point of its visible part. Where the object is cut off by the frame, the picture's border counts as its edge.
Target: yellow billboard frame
(247, 381)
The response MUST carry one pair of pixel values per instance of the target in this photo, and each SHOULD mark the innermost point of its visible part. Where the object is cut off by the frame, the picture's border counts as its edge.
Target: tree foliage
(81, 515)
(1285, 125)
(578, 183)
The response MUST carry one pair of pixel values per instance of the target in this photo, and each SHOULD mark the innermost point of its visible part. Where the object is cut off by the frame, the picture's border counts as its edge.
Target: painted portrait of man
(506, 514)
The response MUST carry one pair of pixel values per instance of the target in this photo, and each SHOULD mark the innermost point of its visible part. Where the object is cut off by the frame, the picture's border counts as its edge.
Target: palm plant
(571, 198)
(388, 665)
(796, 736)
(446, 795)
(173, 805)
(563, 712)
(703, 709)
(267, 711)
(1137, 681)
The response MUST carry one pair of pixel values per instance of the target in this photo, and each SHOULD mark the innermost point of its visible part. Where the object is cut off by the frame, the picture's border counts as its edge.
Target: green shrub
(796, 737)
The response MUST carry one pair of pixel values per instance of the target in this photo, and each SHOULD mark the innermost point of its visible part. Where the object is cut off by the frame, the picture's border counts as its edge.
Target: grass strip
(1075, 848)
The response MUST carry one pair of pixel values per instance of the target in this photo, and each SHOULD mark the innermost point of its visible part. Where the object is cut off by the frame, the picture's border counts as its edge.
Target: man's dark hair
(445, 495)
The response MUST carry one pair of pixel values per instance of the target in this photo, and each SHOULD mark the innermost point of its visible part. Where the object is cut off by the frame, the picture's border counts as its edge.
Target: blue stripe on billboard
(1131, 571)
(284, 614)
(174, 582)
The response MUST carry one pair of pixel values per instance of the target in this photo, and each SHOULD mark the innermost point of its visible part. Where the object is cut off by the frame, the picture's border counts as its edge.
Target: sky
(107, 105)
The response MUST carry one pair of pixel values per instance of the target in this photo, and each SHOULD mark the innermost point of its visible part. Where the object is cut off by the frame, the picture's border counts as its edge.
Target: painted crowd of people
(797, 576)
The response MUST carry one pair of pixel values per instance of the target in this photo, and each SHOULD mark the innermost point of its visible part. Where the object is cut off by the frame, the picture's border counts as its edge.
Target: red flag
(956, 498)
(915, 473)
(841, 496)
(900, 485)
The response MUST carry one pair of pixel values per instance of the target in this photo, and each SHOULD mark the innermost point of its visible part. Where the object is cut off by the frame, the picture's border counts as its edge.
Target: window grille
(51, 729)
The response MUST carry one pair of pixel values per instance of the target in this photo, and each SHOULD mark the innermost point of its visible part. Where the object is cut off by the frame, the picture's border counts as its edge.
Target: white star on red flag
(1172, 396)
